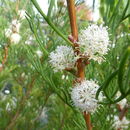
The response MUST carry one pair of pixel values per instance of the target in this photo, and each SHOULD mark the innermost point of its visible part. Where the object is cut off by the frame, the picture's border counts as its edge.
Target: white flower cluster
(94, 41)
(13, 31)
(62, 58)
(83, 95)
(121, 124)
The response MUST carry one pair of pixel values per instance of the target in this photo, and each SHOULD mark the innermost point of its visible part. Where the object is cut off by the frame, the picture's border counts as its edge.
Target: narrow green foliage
(50, 23)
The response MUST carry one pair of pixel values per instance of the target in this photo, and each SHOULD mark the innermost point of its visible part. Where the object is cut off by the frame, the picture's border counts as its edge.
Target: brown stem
(80, 64)
(80, 70)
(88, 120)
(72, 16)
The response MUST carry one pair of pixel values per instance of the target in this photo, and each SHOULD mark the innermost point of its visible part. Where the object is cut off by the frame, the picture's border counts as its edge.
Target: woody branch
(80, 63)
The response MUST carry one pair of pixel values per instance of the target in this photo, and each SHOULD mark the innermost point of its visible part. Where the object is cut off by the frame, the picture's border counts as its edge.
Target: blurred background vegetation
(32, 96)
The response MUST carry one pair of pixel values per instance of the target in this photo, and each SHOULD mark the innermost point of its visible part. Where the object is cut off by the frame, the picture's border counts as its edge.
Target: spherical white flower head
(13, 28)
(120, 124)
(94, 41)
(63, 57)
(15, 38)
(83, 95)
(21, 14)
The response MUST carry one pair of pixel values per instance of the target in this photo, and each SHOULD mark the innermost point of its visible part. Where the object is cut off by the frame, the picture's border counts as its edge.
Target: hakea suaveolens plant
(93, 44)
(83, 96)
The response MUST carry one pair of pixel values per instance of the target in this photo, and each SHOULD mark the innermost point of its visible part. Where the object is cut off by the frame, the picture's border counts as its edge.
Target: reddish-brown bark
(80, 63)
